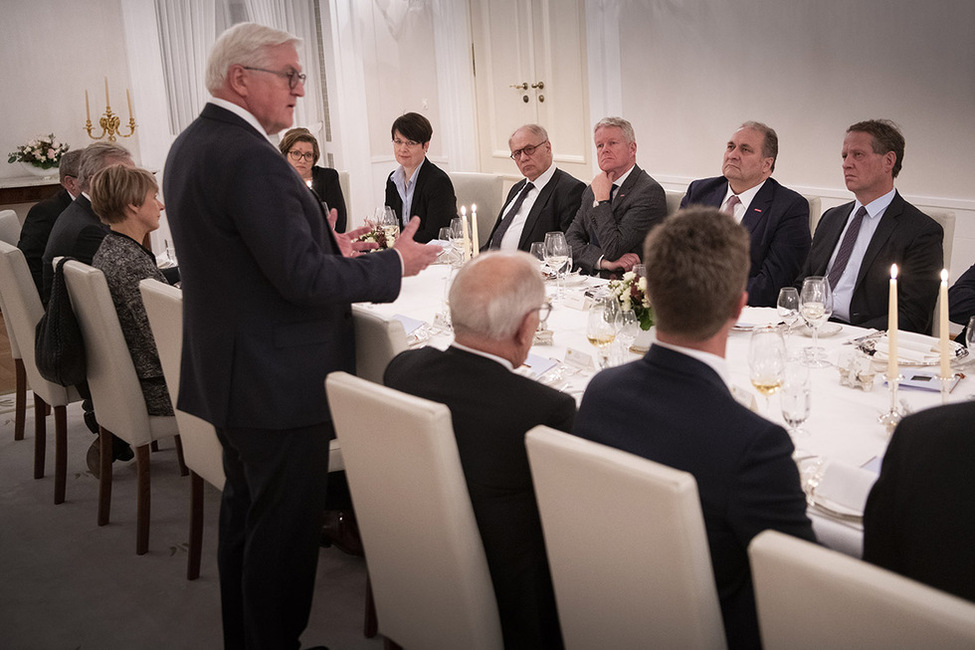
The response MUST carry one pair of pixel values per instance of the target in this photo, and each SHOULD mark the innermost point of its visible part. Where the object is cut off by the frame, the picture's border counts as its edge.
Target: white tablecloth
(843, 424)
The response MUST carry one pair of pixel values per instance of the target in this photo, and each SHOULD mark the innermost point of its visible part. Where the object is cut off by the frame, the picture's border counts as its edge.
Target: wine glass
(387, 222)
(601, 328)
(457, 240)
(537, 251)
(446, 255)
(627, 329)
(788, 308)
(815, 306)
(557, 255)
(766, 360)
(795, 398)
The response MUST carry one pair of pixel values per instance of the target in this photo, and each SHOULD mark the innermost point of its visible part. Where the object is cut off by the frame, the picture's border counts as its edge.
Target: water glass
(815, 307)
(795, 398)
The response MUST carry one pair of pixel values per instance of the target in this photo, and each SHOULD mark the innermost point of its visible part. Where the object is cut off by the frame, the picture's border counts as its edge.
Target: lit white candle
(87, 110)
(467, 234)
(943, 326)
(128, 100)
(474, 236)
(892, 370)
(106, 94)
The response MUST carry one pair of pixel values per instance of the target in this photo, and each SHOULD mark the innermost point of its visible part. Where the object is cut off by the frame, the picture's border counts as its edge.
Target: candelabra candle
(110, 123)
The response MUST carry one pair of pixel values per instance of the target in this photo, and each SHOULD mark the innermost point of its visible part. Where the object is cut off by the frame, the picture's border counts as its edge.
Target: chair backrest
(346, 184)
(673, 201)
(9, 233)
(810, 596)
(426, 560)
(115, 389)
(377, 341)
(626, 545)
(815, 212)
(202, 451)
(483, 190)
(22, 309)
(947, 220)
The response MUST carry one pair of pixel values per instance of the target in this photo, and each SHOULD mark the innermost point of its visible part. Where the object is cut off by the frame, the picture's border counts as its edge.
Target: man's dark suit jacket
(76, 218)
(961, 301)
(676, 410)
(491, 409)
(325, 182)
(612, 229)
(905, 236)
(36, 231)
(266, 292)
(554, 208)
(778, 223)
(433, 201)
(919, 520)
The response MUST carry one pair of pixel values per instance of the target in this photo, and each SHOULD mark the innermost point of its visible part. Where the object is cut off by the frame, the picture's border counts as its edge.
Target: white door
(530, 66)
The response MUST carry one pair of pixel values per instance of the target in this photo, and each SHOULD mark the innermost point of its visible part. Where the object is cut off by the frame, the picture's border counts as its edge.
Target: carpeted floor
(67, 583)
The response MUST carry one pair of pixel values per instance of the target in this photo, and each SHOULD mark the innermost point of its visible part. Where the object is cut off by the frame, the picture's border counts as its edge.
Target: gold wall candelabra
(110, 122)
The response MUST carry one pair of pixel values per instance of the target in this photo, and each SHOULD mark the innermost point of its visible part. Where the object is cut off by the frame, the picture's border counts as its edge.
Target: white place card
(576, 300)
(579, 360)
(536, 365)
(409, 324)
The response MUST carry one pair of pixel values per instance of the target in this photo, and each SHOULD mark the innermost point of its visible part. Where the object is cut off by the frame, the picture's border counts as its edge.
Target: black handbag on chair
(59, 348)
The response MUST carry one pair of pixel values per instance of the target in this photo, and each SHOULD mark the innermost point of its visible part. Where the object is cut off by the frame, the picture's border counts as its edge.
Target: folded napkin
(758, 317)
(409, 324)
(846, 486)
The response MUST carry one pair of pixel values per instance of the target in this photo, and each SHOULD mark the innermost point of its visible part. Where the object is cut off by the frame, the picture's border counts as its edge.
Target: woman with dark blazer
(300, 147)
(418, 187)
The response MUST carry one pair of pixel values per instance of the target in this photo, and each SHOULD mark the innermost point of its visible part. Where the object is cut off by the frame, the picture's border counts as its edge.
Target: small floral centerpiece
(632, 294)
(381, 236)
(44, 151)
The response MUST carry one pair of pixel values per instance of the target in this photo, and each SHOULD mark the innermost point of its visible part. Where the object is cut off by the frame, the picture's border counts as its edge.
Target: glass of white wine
(766, 361)
(601, 328)
(815, 306)
(457, 241)
(387, 222)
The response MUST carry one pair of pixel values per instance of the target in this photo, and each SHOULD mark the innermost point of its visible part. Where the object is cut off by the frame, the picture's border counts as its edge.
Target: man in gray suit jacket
(267, 287)
(545, 200)
(619, 208)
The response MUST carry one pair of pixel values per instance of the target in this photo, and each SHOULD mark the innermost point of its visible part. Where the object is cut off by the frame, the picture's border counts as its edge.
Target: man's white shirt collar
(242, 113)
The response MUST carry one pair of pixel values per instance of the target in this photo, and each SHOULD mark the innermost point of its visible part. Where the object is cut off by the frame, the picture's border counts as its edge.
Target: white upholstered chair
(10, 233)
(815, 212)
(626, 545)
(202, 450)
(673, 201)
(22, 311)
(120, 406)
(947, 220)
(483, 190)
(425, 556)
(377, 341)
(811, 597)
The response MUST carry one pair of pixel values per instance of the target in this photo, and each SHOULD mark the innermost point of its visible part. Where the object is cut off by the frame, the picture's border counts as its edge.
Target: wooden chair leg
(196, 526)
(60, 452)
(105, 475)
(20, 418)
(40, 435)
(142, 507)
(154, 446)
(371, 625)
(183, 469)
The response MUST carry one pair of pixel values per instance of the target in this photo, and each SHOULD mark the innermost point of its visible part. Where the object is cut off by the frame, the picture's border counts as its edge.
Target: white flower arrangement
(632, 294)
(44, 151)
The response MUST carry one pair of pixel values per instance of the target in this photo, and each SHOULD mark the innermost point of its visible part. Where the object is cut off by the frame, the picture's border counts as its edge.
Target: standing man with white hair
(620, 206)
(496, 303)
(267, 287)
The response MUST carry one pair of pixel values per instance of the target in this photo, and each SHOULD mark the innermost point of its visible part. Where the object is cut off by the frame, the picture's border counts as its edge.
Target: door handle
(521, 86)
(540, 85)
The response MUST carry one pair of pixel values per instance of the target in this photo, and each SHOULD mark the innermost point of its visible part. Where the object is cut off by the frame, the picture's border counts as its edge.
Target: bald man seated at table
(675, 406)
(496, 303)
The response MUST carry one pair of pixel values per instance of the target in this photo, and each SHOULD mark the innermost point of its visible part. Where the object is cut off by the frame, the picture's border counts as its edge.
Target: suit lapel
(886, 227)
(543, 197)
(626, 187)
(715, 196)
(759, 206)
(512, 193)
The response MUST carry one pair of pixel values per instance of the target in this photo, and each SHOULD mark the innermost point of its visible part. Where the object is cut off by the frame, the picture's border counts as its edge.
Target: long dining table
(843, 428)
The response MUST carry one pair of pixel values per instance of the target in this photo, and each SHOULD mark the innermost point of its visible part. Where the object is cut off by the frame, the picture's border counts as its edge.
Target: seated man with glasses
(496, 302)
(418, 188)
(547, 199)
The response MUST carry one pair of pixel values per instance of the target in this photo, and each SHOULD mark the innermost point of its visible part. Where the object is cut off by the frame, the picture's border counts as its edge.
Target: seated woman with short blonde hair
(126, 200)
